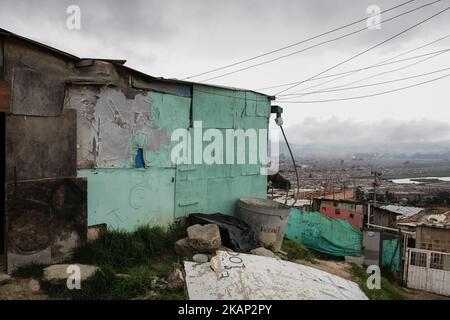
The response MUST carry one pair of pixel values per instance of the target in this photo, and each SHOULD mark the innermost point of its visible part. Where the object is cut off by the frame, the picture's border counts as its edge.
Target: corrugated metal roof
(120, 63)
(402, 210)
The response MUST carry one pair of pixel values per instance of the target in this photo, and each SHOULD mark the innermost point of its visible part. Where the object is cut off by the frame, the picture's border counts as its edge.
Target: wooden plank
(5, 96)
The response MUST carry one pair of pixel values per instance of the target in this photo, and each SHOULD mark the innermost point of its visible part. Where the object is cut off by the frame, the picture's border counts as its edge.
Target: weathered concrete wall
(46, 219)
(41, 147)
(46, 203)
(113, 123)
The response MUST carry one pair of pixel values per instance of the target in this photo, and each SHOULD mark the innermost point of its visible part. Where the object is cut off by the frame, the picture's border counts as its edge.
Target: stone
(204, 238)
(200, 258)
(158, 283)
(4, 278)
(356, 260)
(175, 280)
(261, 251)
(34, 285)
(94, 232)
(59, 272)
(183, 249)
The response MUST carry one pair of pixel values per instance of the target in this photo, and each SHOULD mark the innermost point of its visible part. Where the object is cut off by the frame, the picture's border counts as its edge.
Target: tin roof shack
(382, 217)
(433, 232)
(433, 237)
(90, 142)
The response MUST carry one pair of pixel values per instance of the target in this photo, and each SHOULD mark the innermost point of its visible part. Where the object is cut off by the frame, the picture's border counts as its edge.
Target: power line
(379, 83)
(294, 44)
(369, 95)
(318, 44)
(336, 88)
(356, 70)
(381, 63)
(367, 50)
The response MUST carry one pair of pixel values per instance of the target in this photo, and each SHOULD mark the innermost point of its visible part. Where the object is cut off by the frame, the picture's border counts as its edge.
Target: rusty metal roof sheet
(120, 63)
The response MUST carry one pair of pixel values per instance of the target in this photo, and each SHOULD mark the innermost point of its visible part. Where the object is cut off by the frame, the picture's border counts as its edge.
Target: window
(419, 259)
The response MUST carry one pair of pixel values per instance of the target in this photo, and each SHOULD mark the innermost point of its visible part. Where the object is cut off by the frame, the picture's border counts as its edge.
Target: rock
(200, 258)
(122, 276)
(183, 249)
(59, 272)
(94, 232)
(356, 260)
(226, 249)
(204, 238)
(34, 285)
(175, 280)
(261, 251)
(4, 278)
(158, 283)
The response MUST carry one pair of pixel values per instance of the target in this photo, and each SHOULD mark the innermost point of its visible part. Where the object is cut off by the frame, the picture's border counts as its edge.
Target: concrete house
(90, 141)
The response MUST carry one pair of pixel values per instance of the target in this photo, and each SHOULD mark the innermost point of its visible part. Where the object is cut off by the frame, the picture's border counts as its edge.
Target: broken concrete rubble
(183, 249)
(236, 276)
(261, 251)
(175, 280)
(4, 278)
(158, 283)
(60, 272)
(204, 238)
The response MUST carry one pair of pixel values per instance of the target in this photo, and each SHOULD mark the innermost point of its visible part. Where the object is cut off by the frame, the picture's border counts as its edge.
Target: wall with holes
(124, 150)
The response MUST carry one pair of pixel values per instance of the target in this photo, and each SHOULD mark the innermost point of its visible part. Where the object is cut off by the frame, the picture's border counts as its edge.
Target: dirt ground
(28, 289)
(344, 270)
(21, 289)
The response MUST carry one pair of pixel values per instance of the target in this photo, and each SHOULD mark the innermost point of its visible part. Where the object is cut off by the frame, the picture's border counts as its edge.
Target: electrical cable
(318, 44)
(344, 88)
(381, 63)
(296, 43)
(355, 70)
(369, 49)
(295, 166)
(369, 95)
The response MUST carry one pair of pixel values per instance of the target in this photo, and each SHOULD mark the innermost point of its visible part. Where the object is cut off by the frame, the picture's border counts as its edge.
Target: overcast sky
(179, 38)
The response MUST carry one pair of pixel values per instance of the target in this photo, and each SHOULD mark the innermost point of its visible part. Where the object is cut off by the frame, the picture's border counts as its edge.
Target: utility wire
(369, 95)
(294, 44)
(356, 70)
(378, 83)
(381, 63)
(319, 44)
(357, 81)
(369, 49)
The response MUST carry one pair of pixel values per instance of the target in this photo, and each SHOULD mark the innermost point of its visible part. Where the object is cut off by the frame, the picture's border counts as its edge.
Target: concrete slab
(236, 276)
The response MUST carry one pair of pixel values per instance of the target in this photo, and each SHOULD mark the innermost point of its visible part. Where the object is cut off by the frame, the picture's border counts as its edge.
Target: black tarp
(235, 233)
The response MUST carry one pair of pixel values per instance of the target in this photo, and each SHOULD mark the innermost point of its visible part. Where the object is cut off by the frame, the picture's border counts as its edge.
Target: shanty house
(90, 141)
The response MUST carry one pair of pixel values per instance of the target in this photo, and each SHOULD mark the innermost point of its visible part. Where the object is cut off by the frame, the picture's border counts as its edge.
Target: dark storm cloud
(349, 132)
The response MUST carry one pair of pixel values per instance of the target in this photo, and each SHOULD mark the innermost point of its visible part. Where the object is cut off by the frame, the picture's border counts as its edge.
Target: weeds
(388, 291)
(297, 251)
(128, 262)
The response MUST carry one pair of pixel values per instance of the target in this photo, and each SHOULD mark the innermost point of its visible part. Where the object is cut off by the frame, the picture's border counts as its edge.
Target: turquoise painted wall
(123, 196)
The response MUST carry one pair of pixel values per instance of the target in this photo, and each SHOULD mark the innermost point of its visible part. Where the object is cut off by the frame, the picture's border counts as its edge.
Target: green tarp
(390, 254)
(316, 231)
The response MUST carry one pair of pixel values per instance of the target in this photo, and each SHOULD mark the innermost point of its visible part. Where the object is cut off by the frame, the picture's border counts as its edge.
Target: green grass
(387, 290)
(296, 251)
(139, 257)
(121, 250)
